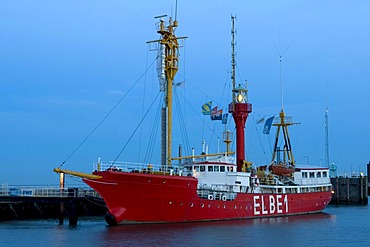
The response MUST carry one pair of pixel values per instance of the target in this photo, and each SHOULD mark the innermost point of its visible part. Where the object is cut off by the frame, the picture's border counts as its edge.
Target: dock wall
(350, 190)
(21, 203)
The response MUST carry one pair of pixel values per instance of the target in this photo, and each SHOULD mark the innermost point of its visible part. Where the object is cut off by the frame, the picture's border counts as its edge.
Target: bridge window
(202, 168)
(229, 168)
(217, 168)
(318, 174)
(222, 168)
(210, 168)
(312, 174)
(304, 174)
(324, 174)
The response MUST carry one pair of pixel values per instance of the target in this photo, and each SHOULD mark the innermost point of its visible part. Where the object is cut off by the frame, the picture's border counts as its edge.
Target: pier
(350, 190)
(45, 202)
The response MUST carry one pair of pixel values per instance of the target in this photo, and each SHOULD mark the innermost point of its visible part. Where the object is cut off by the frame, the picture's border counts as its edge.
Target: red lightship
(207, 187)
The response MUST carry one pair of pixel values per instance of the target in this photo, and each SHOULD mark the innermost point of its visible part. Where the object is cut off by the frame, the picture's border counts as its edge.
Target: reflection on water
(338, 226)
(234, 233)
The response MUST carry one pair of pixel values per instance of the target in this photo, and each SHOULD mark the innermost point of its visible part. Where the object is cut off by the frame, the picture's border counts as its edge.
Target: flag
(214, 110)
(206, 108)
(261, 120)
(224, 118)
(267, 127)
(216, 115)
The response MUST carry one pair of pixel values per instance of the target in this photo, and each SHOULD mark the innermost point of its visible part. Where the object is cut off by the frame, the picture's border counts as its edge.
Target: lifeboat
(282, 169)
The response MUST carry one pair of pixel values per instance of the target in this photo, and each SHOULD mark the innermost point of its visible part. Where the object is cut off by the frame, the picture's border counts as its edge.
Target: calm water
(338, 226)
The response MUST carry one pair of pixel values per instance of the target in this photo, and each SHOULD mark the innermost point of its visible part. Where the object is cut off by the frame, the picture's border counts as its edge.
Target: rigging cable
(183, 129)
(137, 127)
(197, 88)
(153, 134)
(259, 136)
(204, 117)
(106, 116)
(196, 112)
(222, 96)
(142, 105)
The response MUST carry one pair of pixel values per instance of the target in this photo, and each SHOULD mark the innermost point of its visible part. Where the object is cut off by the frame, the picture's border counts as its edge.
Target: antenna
(233, 63)
(281, 54)
(176, 11)
(326, 138)
(281, 82)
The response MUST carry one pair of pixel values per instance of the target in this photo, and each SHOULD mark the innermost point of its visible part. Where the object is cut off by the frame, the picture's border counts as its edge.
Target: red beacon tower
(240, 109)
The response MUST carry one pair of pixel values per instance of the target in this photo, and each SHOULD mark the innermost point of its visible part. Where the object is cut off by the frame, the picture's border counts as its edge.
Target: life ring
(224, 198)
(210, 197)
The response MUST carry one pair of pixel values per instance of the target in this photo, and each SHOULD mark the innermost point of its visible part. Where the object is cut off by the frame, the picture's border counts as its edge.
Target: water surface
(337, 226)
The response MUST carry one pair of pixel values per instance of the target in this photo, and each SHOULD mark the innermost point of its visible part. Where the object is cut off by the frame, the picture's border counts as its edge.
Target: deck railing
(141, 168)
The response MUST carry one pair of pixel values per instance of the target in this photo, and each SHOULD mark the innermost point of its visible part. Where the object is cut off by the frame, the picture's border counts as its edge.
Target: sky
(64, 65)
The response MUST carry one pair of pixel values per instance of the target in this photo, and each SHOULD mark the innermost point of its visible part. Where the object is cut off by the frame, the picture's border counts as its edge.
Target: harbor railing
(45, 191)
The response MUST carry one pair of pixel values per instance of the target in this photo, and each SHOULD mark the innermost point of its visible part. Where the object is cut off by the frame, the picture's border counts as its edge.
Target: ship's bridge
(213, 174)
(309, 175)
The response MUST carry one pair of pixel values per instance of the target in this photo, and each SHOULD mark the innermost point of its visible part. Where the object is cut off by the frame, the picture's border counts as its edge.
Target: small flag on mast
(267, 127)
(206, 108)
(224, 118)
(216, 114)
(214, 110)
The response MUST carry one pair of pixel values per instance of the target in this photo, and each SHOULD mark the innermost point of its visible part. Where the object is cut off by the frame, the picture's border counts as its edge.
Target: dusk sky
(65, 64)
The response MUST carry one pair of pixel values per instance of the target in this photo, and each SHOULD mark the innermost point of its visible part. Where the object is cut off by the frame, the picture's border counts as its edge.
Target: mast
(283, 122)
(326, 138)
(171, 61)
(239, 107)
(169, 53)
(288, 157)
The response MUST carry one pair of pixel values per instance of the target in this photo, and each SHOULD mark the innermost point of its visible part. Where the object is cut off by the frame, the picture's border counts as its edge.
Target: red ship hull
(146, 198)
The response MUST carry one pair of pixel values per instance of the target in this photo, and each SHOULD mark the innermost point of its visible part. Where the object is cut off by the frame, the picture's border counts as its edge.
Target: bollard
(61, 214)
(72, 211)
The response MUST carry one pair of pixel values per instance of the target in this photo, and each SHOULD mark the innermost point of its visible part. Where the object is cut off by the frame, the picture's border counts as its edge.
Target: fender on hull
(110, 219)
(115, 216)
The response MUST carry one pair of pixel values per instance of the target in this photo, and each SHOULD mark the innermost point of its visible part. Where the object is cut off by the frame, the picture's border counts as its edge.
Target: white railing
(140, 168)
(287, 119)
(45, 191)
